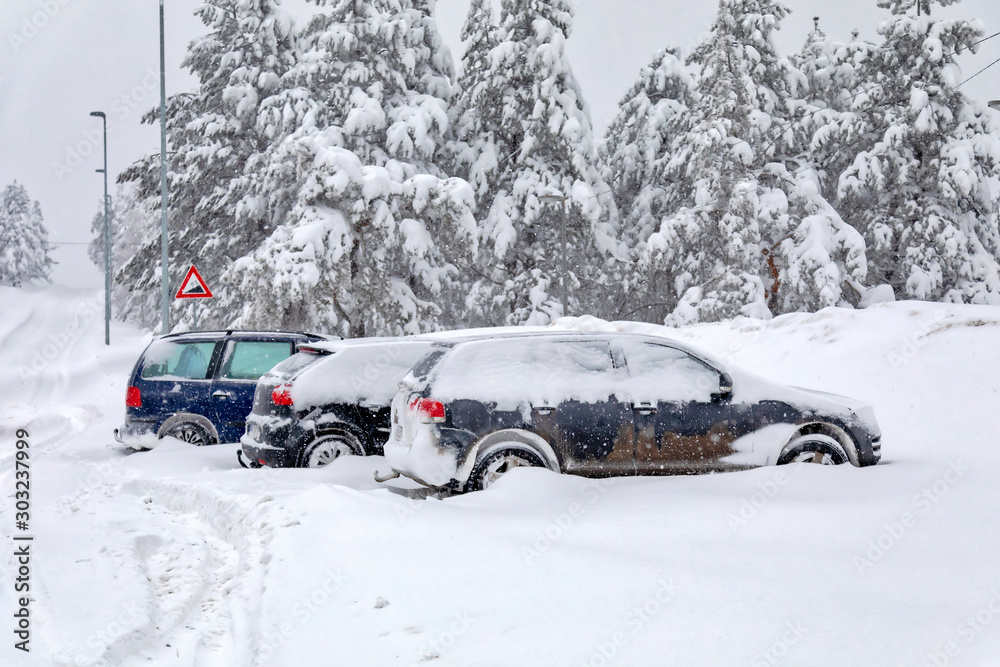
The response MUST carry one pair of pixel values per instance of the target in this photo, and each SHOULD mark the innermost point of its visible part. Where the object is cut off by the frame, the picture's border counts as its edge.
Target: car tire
(813, 448)
(326, 448)
(191, 433)
(491, 467)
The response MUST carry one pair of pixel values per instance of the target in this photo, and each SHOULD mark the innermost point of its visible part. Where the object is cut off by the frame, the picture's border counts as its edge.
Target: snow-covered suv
(607, 404)
(329, 400)
(199, 386)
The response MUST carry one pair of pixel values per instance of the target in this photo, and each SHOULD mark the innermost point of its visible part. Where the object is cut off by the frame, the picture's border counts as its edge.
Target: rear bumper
(137, 434)
(260, 454)
(423, 460)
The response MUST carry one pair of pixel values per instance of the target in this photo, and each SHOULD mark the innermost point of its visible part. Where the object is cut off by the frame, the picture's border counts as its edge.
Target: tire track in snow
(208, 575)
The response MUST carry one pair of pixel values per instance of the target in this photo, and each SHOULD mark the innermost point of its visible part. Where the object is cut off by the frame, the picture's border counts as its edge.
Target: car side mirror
(725, 387)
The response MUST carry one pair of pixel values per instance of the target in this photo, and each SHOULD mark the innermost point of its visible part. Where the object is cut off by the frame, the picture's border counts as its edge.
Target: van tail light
(428, 410)
(282, 395)
(133, 398)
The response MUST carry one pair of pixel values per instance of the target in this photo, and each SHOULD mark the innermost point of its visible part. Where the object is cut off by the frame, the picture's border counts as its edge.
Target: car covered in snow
(329, 400)
(199, 386)
(607, 404)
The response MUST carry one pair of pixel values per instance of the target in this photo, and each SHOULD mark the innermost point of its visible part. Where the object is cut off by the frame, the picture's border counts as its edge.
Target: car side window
(249, 359)
(664, 373)
(537, 372)
(173, 359)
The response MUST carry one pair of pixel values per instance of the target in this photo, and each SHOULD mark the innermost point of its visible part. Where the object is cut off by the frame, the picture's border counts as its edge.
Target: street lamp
(107, 234)
(164, 276)
(559, 198)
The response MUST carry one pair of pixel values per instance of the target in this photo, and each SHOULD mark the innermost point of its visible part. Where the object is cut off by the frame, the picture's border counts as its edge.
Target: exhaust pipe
(392, 474)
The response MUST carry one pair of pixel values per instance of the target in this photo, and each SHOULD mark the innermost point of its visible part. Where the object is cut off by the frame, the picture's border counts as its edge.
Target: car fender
(184, 417)
(503, 439)
(832, 430)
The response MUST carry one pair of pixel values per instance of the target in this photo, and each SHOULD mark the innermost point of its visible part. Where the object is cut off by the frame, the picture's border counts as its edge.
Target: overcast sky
(62, 59)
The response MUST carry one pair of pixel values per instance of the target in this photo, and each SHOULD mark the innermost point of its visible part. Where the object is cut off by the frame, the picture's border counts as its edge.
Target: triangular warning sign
(194, 286)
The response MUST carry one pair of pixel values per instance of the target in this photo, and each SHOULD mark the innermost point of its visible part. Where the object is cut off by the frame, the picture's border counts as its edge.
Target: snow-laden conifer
(528, 130)
(752, 234)
(24, 247)
(213, 140)
(919, 187)
(132, 225)
(634, 154)
(370, 226)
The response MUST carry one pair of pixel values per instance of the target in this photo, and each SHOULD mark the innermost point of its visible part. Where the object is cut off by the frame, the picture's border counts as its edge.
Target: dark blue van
(199, 386)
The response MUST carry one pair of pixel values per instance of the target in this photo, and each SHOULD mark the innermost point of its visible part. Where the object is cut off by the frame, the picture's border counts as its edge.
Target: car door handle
(543, 409)
(222, 395)
(370, 405)
(644, 408)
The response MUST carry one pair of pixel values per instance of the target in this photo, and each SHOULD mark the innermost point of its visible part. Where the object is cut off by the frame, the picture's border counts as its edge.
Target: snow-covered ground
(179, 556)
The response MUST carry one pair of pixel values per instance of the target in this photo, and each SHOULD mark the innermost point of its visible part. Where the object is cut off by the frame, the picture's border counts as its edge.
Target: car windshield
(178, 359)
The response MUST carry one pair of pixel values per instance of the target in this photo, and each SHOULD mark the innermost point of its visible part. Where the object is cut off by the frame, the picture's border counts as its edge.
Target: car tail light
(282, 395)
(428, 410)
(133, 398)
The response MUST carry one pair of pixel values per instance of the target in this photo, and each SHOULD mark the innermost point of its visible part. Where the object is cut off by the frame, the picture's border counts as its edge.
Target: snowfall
(178, 556)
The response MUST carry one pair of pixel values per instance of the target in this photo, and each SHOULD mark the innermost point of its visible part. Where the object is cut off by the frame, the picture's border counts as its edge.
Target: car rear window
(249, 359)
(366, 372)
(171, 359)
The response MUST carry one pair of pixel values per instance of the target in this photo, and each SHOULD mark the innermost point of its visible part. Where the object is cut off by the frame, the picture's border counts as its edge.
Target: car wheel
(814, 448)
(191, 433)
(325, 449)
(493, 466)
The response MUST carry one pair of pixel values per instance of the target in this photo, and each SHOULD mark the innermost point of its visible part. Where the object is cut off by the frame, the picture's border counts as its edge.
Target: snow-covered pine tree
(528, 130)
(634, 153)
(748, 202)
(213, 140)
(24, 247)
(373, 228)
(919, 187)
(834, 73)
(132, 226)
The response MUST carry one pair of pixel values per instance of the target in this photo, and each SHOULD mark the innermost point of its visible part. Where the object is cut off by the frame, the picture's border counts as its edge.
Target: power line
(979, 72)
(985, 39)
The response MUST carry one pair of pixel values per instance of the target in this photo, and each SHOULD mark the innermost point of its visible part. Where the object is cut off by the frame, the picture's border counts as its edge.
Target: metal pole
(107, 243)
(107, 234)
(563, 278)
(164, 255)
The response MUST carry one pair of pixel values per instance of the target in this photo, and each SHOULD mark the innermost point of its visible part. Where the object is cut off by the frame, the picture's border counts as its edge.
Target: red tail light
(133, 398)
(428, 410)
(282, 395)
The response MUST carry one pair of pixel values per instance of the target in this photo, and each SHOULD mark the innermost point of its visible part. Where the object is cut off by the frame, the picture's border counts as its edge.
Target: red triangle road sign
(194, 286)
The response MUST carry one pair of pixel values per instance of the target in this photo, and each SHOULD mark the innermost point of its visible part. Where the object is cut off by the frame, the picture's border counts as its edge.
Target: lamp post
(107, 234)
(164, 275)
(559, 198)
